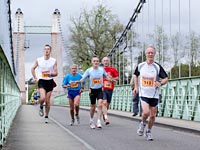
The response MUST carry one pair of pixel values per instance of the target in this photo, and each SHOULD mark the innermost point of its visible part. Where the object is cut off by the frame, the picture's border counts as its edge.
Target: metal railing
(180, 99)
(10, 99)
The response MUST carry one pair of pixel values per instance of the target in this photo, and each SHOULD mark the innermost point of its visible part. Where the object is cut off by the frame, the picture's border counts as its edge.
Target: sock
(46, 117)
(148, 130)
(105, 116)
(142, 122)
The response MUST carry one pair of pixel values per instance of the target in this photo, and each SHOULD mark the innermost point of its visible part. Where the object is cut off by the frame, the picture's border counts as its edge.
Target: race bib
(96, 81)
(45, 74)
(74, 84)
(148, 81)
(107, 84)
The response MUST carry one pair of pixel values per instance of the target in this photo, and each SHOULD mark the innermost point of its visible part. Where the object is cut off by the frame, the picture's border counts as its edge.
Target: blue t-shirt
(69, 79)
(95, 77)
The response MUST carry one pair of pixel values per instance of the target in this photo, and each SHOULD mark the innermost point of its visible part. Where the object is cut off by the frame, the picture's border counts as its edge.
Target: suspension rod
(128, 27)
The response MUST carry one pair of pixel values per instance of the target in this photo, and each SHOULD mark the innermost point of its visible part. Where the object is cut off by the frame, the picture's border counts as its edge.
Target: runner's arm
(33, 70)
(55, 70)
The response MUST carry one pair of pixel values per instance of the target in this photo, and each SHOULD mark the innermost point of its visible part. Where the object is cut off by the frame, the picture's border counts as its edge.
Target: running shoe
(41, 111)
(92, 126)
(46, 119)
(72, 122)
(98, 124)
(107, 122)
(77, 118)
(135, 114)
(140, 131)
(148, 136)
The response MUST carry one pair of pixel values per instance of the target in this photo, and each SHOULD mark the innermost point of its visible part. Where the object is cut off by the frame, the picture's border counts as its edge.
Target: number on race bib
(107, 84)
(45, 74)
(74, 84)
(96, 81)
(148, 81)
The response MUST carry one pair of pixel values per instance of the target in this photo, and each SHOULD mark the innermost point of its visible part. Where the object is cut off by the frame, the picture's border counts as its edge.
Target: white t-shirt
(148, 74)
(44, 67)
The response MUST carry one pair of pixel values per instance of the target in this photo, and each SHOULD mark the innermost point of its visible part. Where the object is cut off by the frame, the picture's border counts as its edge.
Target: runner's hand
(135, 91)
(81, 90)
(35, 80)
(66, 86)
(157, 84)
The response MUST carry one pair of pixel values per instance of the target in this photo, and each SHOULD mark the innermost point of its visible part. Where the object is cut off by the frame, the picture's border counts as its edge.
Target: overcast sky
(39, 12)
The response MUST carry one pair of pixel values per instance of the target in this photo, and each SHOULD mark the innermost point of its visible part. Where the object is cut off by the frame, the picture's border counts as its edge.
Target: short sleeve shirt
(70, 80)
(108, 85)
(148, 74)
(95, 76)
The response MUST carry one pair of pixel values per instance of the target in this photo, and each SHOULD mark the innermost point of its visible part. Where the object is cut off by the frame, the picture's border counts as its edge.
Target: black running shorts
(47, 85)
(95, 94)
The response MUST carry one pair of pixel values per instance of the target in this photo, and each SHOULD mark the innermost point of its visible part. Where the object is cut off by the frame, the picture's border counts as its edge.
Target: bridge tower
(56, 43)
(19, 33)
(19, 51)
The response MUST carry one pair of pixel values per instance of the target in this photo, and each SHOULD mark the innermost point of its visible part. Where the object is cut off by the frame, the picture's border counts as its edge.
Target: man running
(47, 69)
(36, 96)
(95, 74)
(147, 81)
(108, 86)
(72, 83)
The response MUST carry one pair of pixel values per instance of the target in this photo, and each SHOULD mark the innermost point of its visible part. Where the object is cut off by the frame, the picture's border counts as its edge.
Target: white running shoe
(72, 122)
(46, 120)
(77, 119)
(148, 136)
(41, 112)
(140, 131)
(99, 124)
(92, 126)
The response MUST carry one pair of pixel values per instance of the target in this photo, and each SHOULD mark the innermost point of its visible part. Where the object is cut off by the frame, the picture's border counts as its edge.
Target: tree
(142, 55)
(161, 44)
(160, 41)
(176, 44)
(183, 69)
(194, 48)
(93, 33)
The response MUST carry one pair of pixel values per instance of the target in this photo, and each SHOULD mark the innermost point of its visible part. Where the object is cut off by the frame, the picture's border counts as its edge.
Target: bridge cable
(69, 58)
(128, 27)
(18, 47)
(11, 36)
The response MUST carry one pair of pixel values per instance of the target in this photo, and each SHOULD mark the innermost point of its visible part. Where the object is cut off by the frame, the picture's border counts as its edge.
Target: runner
(47, 69)
(95, 74)
(75, 88)
(108, 86)
(147, 81)
(36, 96)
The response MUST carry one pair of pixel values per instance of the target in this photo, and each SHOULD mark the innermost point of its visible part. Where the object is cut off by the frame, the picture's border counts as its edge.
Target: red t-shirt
(108, 85)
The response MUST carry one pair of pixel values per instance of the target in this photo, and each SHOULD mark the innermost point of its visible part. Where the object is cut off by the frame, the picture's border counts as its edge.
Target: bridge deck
(29, 131)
